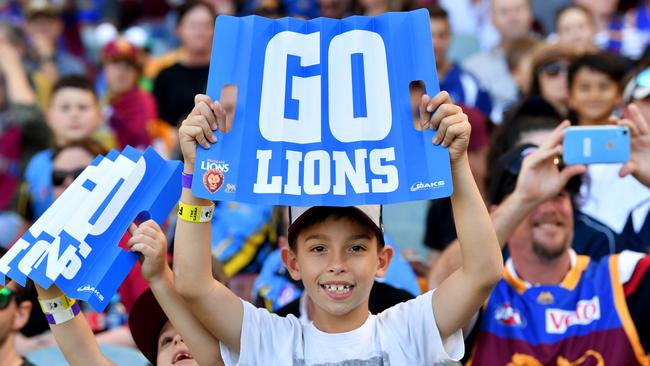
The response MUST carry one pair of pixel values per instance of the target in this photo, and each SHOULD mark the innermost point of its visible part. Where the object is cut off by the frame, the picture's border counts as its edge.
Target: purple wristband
(186, 180)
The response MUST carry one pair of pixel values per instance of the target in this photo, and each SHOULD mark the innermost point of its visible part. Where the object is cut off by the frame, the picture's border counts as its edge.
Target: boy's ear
(619, 98)
(571, 101)
(22, 315)
(48, 118)
(98, 114)
(290, 261)
(283, 242)
(385, 256)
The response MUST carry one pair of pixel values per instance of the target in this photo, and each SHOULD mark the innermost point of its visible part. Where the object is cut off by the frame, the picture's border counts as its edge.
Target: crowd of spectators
(78, 78)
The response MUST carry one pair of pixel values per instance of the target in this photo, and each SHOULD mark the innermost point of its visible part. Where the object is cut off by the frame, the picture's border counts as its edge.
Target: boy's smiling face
(594, 96)
(337, 260)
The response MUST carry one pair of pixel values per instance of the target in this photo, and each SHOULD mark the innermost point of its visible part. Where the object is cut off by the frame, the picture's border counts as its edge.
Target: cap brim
(146, 319)
(48, 12)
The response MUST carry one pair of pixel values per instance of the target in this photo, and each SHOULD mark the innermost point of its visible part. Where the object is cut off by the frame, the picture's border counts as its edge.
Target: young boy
(73, 115)
(337, 252)
(161, 324)
(594, 89)
(131, 110)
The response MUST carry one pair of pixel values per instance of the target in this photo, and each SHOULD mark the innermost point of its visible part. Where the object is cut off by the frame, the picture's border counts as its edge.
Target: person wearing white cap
(637, 91)
(337, 252)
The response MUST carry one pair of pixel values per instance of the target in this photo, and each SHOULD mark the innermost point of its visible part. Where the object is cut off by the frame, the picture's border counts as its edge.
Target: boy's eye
(318, 248)
(165, 341)
(357, 248)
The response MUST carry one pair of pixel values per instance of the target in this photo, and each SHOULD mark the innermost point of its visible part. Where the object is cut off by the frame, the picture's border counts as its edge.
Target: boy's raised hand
(150, 241)
(452, 125)
(206, 117)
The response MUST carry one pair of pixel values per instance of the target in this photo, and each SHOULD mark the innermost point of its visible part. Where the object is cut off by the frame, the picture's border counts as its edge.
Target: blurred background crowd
(81, 77)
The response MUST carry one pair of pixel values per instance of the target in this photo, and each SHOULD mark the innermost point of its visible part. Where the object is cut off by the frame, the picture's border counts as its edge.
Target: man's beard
(547, 254)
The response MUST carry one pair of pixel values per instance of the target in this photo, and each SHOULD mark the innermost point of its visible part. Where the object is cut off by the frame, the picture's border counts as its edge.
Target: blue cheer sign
(323, 112)
(74, 243)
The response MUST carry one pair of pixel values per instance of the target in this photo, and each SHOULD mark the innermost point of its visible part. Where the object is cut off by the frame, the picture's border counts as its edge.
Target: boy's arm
(149, 240)
(481, 261)
(462, 294)
(74, 337)
(203, 345)
(218, 308)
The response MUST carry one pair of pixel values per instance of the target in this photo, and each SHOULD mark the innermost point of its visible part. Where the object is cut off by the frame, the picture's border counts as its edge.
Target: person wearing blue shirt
(463, 87)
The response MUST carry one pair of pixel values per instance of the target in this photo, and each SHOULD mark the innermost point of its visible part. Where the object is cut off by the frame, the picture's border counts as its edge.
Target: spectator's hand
(207, 116)
(639, 163)
(453, 127)
(540, 178)
(149, 240)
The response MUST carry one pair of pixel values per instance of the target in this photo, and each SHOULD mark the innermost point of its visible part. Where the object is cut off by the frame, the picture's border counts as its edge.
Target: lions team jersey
(582, 321)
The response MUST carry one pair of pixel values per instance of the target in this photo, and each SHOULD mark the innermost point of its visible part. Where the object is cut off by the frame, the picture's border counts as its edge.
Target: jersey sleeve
(266, 339)
(414, 325)
(634, 271)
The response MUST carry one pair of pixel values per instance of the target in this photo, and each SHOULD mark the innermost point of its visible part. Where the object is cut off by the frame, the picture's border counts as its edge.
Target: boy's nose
(338, 268)
(337, 265)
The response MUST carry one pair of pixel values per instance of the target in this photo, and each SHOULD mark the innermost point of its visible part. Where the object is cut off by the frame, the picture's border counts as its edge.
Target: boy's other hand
(206, 117)
(452, 125)
(639, 163)
(150, 241)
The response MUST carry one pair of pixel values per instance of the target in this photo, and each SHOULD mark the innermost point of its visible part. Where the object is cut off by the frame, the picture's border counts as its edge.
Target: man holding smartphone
(553, 306)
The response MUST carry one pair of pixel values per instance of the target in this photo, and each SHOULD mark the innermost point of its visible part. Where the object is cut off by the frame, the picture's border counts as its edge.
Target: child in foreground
(162, 326)
(337, 252)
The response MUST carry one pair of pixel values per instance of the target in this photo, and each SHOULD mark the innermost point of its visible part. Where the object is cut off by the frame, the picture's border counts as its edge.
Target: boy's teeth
(337, 288)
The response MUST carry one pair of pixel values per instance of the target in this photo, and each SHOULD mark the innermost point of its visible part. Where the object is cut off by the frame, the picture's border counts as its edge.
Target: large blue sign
(323, 112)
(74, 243)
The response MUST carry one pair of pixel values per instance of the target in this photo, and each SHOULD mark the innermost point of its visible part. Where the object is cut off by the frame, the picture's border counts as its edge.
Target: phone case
(596, 144)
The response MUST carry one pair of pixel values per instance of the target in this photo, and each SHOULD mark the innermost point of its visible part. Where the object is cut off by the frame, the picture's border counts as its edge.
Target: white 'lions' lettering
(383, 178)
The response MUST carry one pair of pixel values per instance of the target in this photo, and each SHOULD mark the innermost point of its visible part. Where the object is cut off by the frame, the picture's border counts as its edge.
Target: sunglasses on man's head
(59, 176)
(554, 68)
(5, 297)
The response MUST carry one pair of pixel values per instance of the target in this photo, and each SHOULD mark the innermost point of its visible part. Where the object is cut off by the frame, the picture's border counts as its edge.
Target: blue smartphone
(596, 145)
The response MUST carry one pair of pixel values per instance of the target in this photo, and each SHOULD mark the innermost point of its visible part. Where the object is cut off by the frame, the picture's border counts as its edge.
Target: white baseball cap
(638, 87)
(371, 214)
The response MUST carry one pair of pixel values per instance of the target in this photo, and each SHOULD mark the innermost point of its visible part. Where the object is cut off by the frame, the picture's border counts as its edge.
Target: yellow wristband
(194, 213)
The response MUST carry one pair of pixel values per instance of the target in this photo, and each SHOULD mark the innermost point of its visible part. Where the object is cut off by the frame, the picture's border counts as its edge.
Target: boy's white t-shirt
(405, 334)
